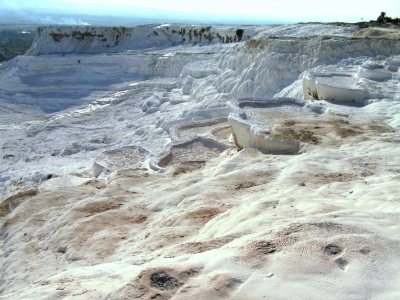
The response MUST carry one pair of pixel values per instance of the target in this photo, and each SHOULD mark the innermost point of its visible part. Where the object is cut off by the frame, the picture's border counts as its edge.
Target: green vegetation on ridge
(15, 42)
(383, 18)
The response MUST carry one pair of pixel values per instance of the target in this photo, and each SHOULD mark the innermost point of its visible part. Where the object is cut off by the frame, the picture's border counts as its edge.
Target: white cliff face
(79, 39)
(119, 163)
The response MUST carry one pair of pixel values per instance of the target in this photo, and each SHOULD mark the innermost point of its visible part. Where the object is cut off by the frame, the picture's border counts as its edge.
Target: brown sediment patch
(15, 200)
(204, 214)
(246, 180)
(100, 235)
(34, 203)
(98, 184)
(289, 123)
(344, 129)
(199, 216)
(264, 247)
(269, 246)
(322, 228)
(303, 135)
(303, 131)
(187, 167)
(192, 130)
(99, 206)
(156, 283)
(204, 246)
(380, 128)
(244, 185)
(129, 218)
(4, 210)
(222, 133)
(346, 132)
(258, 252)
(326, 131)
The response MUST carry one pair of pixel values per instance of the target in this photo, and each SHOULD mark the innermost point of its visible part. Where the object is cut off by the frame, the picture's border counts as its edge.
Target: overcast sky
(285, 10)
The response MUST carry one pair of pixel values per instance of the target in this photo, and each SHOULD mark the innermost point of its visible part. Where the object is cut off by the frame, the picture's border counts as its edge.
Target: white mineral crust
(121, 175)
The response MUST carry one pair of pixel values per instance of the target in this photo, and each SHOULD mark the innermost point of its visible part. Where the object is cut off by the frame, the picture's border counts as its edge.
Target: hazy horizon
(253, 12)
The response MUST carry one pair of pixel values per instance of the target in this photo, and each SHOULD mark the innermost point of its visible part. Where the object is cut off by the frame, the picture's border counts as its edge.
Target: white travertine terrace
(252, 122)
(120, 179)
(378, 71)
(372, 80)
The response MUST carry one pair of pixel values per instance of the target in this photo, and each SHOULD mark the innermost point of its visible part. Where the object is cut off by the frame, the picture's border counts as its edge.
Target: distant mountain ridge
(122, 16)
